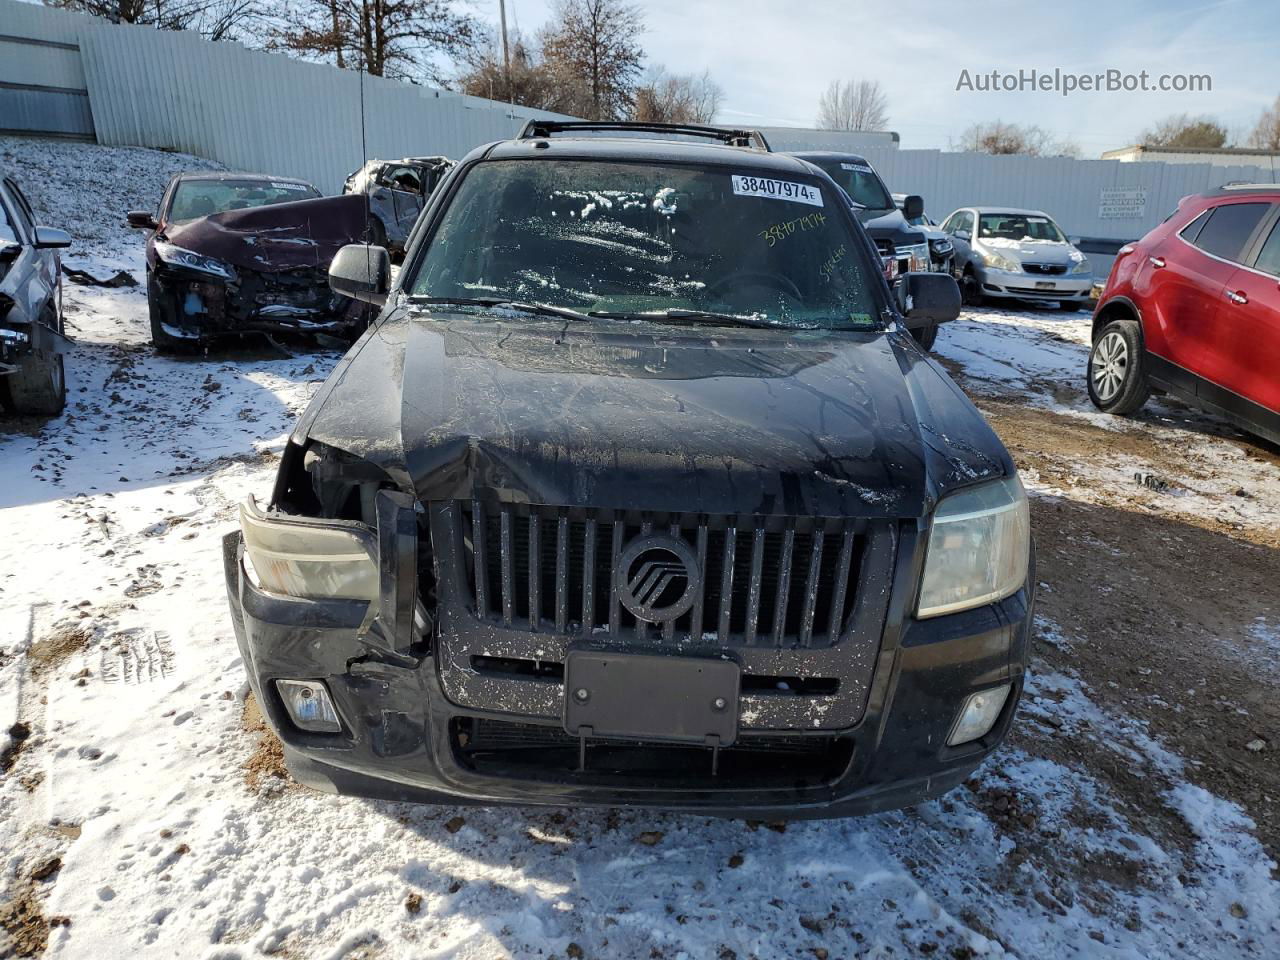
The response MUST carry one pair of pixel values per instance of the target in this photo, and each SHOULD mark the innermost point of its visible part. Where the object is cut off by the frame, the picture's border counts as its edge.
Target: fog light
(309, 705)
(978, 715)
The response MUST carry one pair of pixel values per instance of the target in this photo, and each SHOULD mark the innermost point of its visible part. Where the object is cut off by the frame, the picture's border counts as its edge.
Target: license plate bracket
(651, 697)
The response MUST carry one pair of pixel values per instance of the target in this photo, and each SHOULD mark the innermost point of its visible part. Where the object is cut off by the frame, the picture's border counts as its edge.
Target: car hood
(641, 417)
(1034, 251)
(890, 225)
(282, 236)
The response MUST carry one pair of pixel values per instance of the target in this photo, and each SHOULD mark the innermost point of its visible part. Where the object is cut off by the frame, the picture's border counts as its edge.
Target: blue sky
(774, 59)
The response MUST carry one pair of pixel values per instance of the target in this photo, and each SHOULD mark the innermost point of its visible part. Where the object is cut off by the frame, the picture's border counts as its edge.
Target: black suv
(639, 492)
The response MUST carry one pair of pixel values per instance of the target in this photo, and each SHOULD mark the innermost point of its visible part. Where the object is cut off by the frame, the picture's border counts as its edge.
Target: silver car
(397, 192)
(1012, 254)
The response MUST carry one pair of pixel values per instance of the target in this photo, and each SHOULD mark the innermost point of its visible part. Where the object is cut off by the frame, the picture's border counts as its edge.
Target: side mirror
(51, 238)
(928, 298)
(962, 234)
(913, 206)
(361, 271)
(141, 220)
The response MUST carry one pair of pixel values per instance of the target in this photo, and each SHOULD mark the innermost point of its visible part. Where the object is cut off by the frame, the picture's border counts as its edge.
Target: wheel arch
(1117, 308)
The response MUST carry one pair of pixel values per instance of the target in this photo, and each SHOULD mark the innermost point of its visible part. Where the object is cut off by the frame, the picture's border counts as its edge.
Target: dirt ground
(1155, 607)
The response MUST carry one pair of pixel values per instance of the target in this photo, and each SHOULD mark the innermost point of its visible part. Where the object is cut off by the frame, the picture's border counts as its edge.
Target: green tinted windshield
(634, 239)
(200, 198)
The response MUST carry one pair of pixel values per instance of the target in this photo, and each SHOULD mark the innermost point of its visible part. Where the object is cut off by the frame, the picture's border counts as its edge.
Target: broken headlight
(313, 559)
(181, 257)
(979, 548)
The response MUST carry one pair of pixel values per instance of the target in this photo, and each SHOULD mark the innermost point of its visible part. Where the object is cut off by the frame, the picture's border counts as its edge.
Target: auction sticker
(777, 190)
(856, 167)
(281, 185)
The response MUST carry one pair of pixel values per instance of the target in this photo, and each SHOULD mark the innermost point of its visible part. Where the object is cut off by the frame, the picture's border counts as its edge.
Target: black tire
(162, 341)
(1069, 306)
(1115, 376)
(970, 291)
(926, 336)
(38, 387)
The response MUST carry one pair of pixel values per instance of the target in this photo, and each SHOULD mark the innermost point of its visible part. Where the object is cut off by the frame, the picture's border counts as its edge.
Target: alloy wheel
(1110, 366)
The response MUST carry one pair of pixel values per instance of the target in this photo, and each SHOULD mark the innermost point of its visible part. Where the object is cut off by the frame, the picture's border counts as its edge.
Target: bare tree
(853, 105)
(592, 51)
(401, 39)
(1181, 130)
(213, 19)
(529, 82)
(1266, 134)
(677, 98)
(1000, 138)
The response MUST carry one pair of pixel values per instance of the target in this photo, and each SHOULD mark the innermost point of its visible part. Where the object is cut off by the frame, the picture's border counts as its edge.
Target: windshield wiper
(542, 309)
(704, 316)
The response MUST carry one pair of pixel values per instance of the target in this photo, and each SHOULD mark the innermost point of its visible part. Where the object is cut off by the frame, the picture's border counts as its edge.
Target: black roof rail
(729, 137)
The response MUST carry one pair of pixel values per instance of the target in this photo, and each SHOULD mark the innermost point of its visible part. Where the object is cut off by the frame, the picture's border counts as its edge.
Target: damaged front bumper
(196, 306)
(20, 340)
(425, 719)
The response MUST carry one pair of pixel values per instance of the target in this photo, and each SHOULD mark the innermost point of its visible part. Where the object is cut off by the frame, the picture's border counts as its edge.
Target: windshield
(859, 181)
(631, 239)
(200, 198)
(1018, 227)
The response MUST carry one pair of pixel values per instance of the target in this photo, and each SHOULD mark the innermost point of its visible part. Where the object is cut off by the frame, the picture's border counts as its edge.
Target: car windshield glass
(1018, 227)
(200, 198)
(630, 239)
(859, 181)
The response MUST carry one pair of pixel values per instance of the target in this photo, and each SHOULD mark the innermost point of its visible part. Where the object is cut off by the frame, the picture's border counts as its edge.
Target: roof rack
(729, 137)
(1239, 186)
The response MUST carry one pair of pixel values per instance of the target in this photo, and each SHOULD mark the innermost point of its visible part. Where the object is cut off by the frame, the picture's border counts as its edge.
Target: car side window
(1269, 257)
(1192, 229)
(963, 221)
(8, 231)
(20, 212)
(1229, 228)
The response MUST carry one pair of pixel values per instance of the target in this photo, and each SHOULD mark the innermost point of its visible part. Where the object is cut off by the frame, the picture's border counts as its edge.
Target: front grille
(544, 752)
(1047, 268)
(777, 581)
(1033, 292)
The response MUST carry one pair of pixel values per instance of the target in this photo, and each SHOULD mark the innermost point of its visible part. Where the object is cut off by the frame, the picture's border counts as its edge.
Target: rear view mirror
(141, 220)
(51, 238)
(928, 298)
(361, 271)
(913, 206)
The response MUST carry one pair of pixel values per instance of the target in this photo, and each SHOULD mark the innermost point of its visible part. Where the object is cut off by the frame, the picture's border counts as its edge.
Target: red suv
(1193, 309)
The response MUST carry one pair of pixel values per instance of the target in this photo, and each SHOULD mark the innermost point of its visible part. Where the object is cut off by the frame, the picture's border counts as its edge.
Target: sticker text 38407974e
(777, 190)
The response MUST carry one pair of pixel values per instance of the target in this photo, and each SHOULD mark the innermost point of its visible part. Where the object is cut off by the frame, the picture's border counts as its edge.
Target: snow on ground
(1039, 355)
(129, 813)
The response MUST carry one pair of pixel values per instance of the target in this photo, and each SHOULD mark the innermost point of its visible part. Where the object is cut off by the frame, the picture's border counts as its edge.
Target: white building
(1218, 156)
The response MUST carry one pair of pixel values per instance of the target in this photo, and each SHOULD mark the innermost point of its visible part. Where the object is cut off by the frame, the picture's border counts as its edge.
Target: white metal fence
(259, 111)
(1089, 198)
(253, 110)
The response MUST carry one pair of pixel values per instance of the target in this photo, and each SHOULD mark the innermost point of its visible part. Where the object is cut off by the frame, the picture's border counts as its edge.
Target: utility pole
(506, 55)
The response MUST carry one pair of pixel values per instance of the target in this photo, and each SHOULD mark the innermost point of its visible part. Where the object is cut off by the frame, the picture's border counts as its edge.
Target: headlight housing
(311, 559)
(1000, 262)
(917, 256)
(979, 548)
(1082, 266)
(181, 257)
